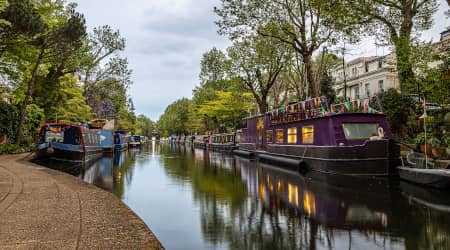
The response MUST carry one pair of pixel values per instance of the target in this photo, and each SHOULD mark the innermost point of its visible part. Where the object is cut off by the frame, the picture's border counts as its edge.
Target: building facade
(365, 76)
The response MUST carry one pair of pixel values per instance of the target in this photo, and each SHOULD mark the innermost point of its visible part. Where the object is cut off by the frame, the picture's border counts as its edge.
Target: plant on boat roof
(420, 138)
(446, 140)
(434, 141)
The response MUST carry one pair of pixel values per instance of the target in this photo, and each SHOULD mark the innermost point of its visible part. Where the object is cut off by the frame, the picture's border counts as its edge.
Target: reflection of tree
(123, 172)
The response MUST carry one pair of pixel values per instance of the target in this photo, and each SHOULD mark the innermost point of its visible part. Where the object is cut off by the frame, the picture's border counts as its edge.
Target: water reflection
(219, 201)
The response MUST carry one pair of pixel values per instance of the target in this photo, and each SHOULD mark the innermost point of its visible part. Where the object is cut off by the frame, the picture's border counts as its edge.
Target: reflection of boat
(66, 142)
(432, 198)
(135, 141)
(100, 173)
(349, 138)
(333, 206)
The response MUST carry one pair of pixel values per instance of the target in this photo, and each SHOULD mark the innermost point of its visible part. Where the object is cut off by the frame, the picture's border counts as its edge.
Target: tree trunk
(262, 104)
(403, 50)
(310, 76)
(28, 95)
(404, 65)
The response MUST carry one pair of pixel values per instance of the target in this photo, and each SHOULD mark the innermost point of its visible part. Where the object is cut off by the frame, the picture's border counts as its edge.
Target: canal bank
(45, 208)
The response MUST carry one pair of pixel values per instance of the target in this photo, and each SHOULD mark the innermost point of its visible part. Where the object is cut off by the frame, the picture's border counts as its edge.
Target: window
(292, 135)
(280, 135)
(308, 135)
(269, 135)
(380, 64)
(367, 89)
(357, 92)
(359, 131)
(381, 85)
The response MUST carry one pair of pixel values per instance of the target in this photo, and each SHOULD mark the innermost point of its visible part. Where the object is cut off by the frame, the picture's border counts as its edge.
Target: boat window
(359, 131)
(269, 134)
(292, 135)
(308, 135)
(280, 135)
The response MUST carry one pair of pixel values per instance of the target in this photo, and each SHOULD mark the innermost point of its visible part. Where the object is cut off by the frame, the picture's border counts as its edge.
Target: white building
(365, 76)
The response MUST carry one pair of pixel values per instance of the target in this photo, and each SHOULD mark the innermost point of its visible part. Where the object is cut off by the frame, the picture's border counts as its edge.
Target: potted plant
(436, 146)
(419, 140)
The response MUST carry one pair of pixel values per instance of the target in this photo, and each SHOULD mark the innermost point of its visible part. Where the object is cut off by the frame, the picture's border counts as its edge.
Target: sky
(165, 40)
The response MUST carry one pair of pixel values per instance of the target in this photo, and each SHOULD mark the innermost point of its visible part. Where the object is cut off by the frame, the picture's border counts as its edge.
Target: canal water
(195, 199)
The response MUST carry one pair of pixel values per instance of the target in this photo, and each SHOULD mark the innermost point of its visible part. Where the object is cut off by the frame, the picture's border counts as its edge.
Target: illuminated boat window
(269, 134)
(280, 136)
(292, 135)
(359, 131)
(308, 135)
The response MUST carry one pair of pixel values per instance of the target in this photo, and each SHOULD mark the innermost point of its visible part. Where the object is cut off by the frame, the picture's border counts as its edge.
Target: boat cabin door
(260, 131)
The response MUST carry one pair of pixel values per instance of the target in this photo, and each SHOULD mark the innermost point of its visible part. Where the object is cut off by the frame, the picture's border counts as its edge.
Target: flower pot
(438, 151)
(429, 151)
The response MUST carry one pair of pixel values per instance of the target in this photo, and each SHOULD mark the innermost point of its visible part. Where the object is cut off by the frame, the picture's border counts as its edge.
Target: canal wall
(45, 208)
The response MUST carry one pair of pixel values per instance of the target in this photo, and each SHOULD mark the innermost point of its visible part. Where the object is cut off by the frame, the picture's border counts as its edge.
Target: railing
(319, 107)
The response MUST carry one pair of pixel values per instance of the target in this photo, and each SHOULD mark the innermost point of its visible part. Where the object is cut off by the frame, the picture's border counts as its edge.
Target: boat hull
(437, 178)
(374, 158)
(68, 153)
(120, 147)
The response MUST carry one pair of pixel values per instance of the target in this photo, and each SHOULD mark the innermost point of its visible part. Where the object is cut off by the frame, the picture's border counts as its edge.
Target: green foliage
(15, 149)
(144, 126)
(175, 118)
(34, 118)
(395, 23)
(227, 109)
(8, 120)
(326, 88)
(258, 62)
(397, 107)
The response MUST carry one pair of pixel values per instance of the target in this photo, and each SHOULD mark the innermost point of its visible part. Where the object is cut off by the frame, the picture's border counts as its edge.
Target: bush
(397, 107)
(14, 149)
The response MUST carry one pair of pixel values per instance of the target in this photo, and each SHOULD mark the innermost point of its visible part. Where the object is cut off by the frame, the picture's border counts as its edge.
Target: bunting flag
(303, 105)
(298, 107)
(347, 106)
(359, 104)
(353, 106)
(319, 102)
(343, 109)
(331, 109)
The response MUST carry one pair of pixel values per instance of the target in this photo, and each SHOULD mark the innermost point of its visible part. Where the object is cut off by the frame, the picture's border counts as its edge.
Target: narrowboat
(104, 128)
(351, 138)
(422, 170)
(201, 141)
(224, 142)
(120, 140)
(68, 142)
(135, 141)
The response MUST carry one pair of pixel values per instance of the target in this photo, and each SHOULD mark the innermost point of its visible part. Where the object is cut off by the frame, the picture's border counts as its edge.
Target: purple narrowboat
(350, 138)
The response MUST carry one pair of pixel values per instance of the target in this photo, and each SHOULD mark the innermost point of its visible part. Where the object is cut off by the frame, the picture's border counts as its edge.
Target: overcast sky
(166, 39)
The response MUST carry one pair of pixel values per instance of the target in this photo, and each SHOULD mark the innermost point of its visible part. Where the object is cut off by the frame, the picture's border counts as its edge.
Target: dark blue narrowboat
(350, 138)
(68, 142)
(120, 140)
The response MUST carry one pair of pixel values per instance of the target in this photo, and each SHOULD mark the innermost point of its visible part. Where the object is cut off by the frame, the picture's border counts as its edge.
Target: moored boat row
(82, 143)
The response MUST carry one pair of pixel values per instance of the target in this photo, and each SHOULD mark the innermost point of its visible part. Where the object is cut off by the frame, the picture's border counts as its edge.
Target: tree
(144, 126)
(258, 62)
(175, 117)
(227, 109)
(61, 37)
(101, 44)
(395, 22)
(213, 66)
(304, 25)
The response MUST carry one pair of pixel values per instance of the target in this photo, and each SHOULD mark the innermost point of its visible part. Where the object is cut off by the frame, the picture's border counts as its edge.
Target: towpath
(41, 208)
